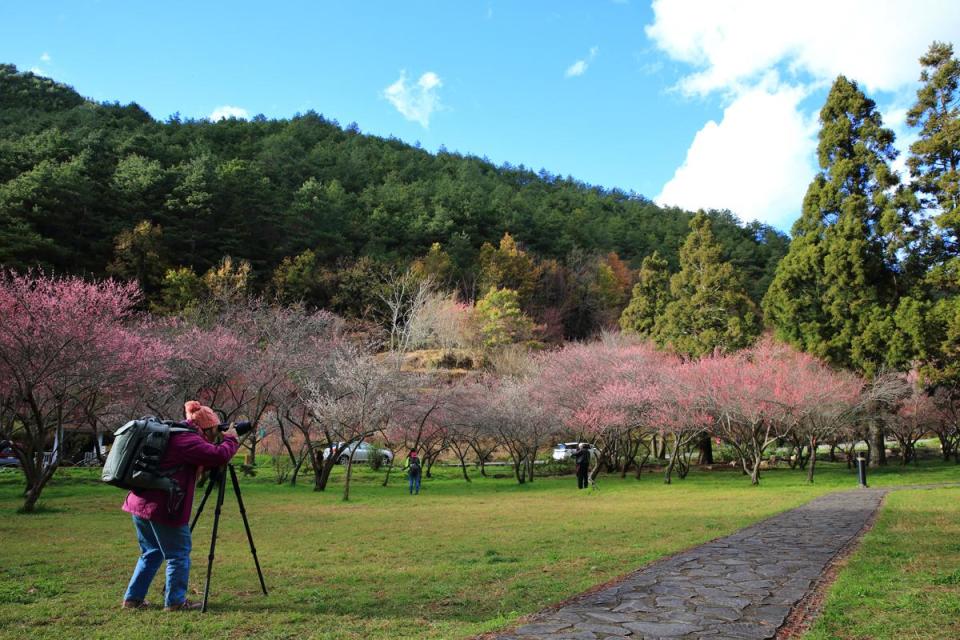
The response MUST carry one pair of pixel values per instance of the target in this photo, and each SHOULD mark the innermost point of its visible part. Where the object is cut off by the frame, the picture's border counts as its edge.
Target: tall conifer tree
(934, 159)
(931, 318)
(650, 297)
(709, 308)
(833, 293)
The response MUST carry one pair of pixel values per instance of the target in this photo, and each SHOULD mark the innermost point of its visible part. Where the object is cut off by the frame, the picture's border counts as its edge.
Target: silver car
(360, 452)
(566, 450)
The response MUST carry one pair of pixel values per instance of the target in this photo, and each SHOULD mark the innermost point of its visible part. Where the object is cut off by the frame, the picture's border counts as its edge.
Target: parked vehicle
(566, 450)
(8, 458)
(360, 452)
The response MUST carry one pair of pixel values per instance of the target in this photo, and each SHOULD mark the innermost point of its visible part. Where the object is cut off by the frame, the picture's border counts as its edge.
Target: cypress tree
(709, 308)
(934, 159)
(650, 297)
(930, 319)
(833, 292)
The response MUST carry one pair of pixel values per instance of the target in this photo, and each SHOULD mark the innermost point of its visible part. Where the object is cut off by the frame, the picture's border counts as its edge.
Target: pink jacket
(189, 450)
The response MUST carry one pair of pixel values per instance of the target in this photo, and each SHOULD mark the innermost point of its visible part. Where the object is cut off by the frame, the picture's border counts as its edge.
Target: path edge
(806, 611)
(536, 615)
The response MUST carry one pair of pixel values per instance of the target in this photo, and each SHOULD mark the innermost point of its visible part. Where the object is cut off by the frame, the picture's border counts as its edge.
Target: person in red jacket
(160, 520)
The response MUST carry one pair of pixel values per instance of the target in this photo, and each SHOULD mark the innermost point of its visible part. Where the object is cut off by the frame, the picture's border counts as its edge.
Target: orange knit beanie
(201, 416)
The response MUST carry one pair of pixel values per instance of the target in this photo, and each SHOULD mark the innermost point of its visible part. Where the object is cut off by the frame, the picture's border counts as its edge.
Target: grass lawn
(457, 560)
(904, 580)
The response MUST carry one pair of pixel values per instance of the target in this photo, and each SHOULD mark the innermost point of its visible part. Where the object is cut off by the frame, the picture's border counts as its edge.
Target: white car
(360, 452)
(566, 450)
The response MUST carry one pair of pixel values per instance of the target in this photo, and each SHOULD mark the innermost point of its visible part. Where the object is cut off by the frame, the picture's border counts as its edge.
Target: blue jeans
(159, 542)
(414, 483)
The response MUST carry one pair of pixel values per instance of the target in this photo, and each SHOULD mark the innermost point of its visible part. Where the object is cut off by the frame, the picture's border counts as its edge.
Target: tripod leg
(246, 525)
(210, 484)
(222, 485)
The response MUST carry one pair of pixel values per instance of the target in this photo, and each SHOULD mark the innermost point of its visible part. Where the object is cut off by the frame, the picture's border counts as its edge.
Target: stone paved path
(740, 587)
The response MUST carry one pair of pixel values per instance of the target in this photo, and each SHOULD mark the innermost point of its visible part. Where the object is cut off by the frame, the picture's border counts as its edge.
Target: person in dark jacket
(582, 458)
(160, 520)
(413, 468)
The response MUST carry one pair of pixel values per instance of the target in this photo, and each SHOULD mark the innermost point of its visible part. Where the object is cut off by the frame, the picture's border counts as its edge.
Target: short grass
(457, 560)
(904, 580)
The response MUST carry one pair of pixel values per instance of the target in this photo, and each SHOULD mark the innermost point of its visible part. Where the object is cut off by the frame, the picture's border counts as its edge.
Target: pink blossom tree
(470, 422)
(523, 426)
(947, 427)
(750, 397)
(823, 401)
(417, 420)
(916, 416)
(60, 340)
(356, 399)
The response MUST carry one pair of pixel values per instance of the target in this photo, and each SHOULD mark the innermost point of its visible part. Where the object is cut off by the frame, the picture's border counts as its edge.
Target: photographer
(582, 459)
(160, 519)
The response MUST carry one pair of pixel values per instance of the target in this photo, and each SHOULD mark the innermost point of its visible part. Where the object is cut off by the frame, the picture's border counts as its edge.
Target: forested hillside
(77, 178)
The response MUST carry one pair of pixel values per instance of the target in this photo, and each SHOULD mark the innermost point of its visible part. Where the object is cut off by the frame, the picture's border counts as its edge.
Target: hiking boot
(135, 604)
(186, 605)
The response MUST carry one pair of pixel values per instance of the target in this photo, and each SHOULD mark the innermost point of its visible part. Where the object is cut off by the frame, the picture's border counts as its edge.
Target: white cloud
(756, 162)
(226, 111)
(418, 102)
(45, 57)
(875, 42)
(742, 48)
(580, 67)
(37, 71)
(576, 69)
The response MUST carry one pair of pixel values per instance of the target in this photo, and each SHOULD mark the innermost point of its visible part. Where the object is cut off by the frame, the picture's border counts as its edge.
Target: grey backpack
(134, 458)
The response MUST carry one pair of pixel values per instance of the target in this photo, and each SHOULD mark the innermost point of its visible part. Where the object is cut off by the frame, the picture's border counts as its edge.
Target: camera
(242, 427)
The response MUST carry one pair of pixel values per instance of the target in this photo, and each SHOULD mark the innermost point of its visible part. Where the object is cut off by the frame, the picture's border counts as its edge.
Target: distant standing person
(413, 467)
(582, 458)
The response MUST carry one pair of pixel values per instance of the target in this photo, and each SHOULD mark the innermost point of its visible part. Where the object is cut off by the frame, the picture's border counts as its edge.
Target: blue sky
(675, 100)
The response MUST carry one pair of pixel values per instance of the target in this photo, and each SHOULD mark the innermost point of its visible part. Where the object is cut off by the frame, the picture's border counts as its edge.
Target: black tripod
(220, 480)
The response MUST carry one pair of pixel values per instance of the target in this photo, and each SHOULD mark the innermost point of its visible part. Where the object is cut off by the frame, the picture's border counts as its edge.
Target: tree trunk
(640, 466)
(795, 457)
(296, 469)
(326, 467)
(673, 459)
(35, 487)
(30, 499)
(813, 460)
(879, 459)
(944, 447)
(346, 482)
(706, 449)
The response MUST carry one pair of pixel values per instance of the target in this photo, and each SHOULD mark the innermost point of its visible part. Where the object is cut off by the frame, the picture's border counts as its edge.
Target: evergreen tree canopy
(650, 297)
(834, 292)
(934, 159)
(708, 308)
(929, 320)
